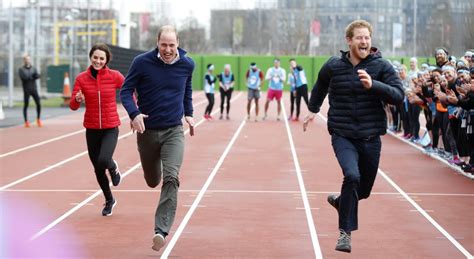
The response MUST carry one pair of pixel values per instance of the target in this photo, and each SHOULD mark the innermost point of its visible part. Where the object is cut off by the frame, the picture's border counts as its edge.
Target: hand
(307, 119)
(451, 97)
(190, 121)
(79, 97)
(365, 79)
(138, 123)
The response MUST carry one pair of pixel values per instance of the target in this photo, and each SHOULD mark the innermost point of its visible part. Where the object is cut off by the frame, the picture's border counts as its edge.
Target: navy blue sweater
(164, 91)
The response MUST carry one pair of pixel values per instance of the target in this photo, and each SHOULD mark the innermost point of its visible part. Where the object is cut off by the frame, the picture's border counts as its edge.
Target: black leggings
(101, 145)
(414, 114)
(210, 98)
(292, 101)
(26, 103)
(301, 91)
(225, 95)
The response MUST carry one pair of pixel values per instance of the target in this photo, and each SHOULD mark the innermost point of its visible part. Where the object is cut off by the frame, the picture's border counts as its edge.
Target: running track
(248, 190)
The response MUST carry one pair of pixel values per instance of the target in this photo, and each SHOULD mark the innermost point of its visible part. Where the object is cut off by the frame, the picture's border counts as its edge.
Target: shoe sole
(158, 242)
(343, 249)
(111, 212)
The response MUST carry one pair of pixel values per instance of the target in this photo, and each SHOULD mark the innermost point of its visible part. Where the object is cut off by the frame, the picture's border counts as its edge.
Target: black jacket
(28, 75)
(355, 112)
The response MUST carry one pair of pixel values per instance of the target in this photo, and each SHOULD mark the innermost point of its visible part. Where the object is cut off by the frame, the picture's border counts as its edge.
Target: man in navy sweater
(162, 81)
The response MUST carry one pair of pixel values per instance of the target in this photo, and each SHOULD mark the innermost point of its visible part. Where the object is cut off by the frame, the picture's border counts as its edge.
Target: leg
(298, 102)
(249, 103)
(229, 96)
(36, 98)
(208, 107)
(292, 103)
(211, 104)
(26, 103)
(222, 100)
(94, 145)
(172, 151)
(256, 106)
(368, 165)
(348, 157)
(149, 149)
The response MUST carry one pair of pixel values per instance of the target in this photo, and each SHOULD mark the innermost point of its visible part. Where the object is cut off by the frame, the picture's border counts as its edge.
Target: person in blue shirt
(226, 87)
(161, 78)
(209, 80)
(301, 87)
(254, 79)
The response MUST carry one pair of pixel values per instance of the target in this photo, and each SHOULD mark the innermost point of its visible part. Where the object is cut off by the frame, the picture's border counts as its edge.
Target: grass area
(48, 102)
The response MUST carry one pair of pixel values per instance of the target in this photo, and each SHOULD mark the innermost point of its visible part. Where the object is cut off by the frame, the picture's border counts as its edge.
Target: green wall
(240, 65)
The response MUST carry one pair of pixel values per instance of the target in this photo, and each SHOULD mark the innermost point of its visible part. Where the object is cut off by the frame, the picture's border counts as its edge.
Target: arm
(188, 97)
(261, 77)
(208, 79)
(268, 75)
(76, 96)
(283, 74)
(320, 89)
(390, 88)
(35, 75)
(221, 85)
(119, 78)
(232, 81)
(188, 102)
(22, 75)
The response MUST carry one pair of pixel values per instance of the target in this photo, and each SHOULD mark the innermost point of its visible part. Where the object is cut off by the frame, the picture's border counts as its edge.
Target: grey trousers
(161, 155)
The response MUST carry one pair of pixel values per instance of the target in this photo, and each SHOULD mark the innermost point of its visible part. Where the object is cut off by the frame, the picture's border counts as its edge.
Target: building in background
(316, 27)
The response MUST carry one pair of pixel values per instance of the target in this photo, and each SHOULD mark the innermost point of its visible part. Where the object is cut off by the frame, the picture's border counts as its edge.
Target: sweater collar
(181, 53)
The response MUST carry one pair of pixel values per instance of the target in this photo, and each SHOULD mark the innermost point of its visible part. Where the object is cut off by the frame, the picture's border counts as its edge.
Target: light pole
(72, 18)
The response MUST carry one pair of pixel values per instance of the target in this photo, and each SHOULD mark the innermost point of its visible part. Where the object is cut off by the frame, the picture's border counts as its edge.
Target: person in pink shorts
(276, 77)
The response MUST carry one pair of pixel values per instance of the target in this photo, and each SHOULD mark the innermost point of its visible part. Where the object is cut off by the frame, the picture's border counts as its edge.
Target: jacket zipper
(100, 113)
(100, 106)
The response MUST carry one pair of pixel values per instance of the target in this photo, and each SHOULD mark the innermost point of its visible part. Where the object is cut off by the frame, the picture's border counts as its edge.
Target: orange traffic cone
(66, 90)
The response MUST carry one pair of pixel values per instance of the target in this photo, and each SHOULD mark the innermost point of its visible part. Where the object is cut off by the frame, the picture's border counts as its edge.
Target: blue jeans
(359, 160)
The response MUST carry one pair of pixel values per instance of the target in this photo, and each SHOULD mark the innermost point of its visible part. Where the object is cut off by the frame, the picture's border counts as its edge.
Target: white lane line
(97, 192)
(61, 137)
(41, 143)
(77, 207)
(47, 141)
(304, 194)
(198, 199)
(42, 171)
(427, 216)
(422, 211)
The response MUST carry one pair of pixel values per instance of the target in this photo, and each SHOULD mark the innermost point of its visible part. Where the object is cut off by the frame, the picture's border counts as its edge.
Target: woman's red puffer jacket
(100, 97)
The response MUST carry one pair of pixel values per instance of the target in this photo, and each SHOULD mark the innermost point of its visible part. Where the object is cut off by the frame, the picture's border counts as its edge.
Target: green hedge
(240, 65)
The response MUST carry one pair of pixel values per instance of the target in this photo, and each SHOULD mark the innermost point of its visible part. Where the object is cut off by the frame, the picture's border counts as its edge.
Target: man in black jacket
(359, 83)
(29, 75)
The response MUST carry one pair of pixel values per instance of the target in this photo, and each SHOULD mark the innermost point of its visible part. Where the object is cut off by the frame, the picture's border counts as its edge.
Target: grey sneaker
(344, 242)
(158, 242)
(332, 199)
(115, 174)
